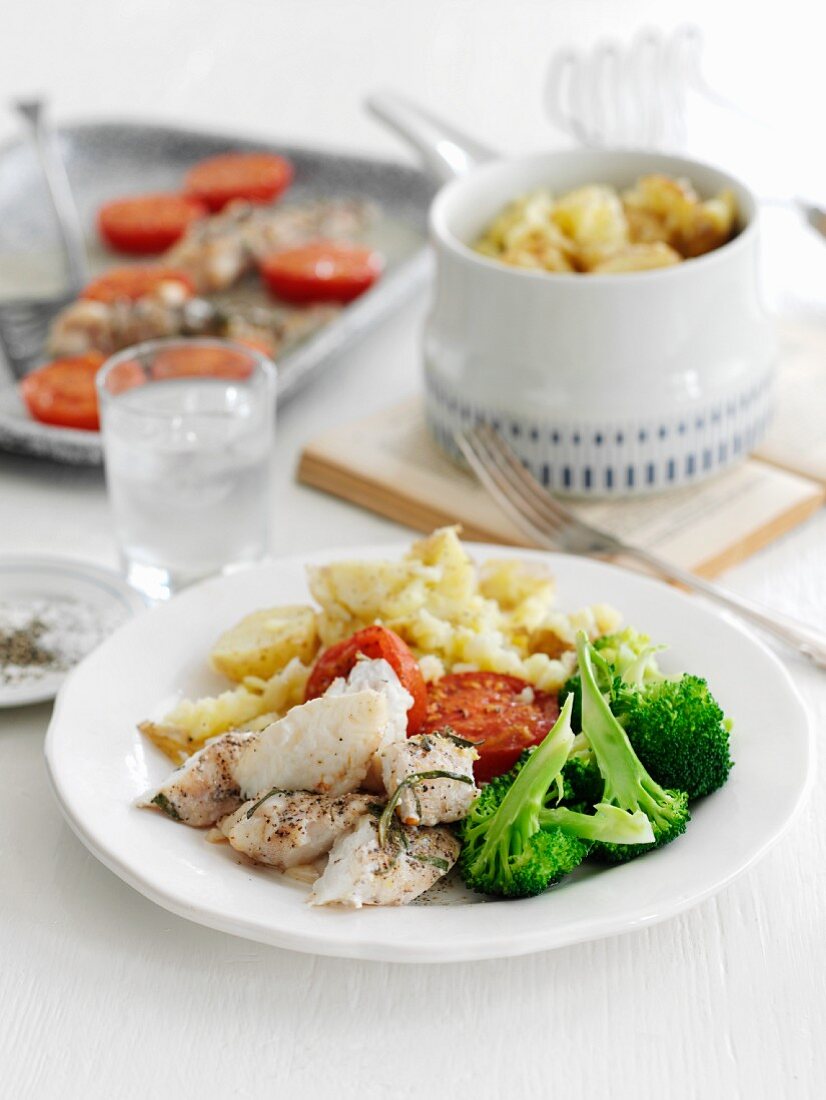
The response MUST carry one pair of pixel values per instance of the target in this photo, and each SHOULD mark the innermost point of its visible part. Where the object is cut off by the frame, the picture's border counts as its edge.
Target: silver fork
(24, 322)
(553, 525)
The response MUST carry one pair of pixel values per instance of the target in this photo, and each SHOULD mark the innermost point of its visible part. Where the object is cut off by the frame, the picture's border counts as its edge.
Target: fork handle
(33, 111)
(807, 641)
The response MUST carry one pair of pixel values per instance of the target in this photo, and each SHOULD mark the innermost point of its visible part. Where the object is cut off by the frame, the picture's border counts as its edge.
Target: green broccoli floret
(504, 850)
(679, 733)
(582, 783)
(573, 688)
(627, 784)
(608, 825)
(513, 845)
(628, 652)
(615, 656)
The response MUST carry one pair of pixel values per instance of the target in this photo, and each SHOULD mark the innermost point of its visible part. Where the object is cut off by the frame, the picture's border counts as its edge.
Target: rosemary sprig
(162, 802)
(261, 801)
(386, 818)
(453, 736)
(436, 861)
(462, 742)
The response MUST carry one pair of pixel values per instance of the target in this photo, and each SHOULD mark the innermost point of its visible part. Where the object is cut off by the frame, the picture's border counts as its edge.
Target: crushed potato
(658, 222)
(454, 615)
(449, 611)
(254, 704)
(263, 642)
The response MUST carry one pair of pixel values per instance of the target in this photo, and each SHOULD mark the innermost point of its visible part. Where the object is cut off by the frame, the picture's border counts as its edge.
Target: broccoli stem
(636, 672)
(627, 783)
(517, 818)
(609, 741)
(609, 824)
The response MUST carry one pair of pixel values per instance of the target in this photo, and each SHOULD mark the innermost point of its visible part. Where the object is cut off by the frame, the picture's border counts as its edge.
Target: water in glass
(187, 467)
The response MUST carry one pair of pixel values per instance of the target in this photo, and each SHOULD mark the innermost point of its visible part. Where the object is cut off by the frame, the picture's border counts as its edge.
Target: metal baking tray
(107, 159)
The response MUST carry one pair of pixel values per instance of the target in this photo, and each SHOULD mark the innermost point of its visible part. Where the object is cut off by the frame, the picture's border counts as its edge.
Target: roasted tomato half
(502, 714)
(374, 642)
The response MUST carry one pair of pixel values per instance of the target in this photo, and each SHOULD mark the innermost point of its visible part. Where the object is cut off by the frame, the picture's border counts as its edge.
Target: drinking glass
(187, 429)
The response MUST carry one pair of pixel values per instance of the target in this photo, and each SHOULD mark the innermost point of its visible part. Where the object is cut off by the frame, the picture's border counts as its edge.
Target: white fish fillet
(293, 827)
(360, 872)
(205, 788)
(379, 675)
(324, 745)
(430, 801)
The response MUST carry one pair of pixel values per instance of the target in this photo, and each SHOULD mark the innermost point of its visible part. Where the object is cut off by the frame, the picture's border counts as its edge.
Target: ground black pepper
(22, 649)
(43, 637)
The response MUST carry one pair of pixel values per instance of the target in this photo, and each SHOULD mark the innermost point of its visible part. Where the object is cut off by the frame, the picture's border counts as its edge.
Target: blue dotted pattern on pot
(621, 458)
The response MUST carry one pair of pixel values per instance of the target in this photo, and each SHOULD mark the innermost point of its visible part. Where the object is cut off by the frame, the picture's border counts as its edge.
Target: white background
(104, 995)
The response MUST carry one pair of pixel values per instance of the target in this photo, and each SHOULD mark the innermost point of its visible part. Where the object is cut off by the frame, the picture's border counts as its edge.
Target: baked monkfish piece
(419, 773)
(325, 745)
(289, 828)
(205, 788)
(363, 871)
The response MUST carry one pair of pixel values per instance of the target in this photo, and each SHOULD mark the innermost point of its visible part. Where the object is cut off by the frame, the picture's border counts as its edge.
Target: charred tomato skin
(374, 642)
(502, 715)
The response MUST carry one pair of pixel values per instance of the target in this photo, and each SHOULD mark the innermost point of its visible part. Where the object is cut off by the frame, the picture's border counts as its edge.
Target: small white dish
(97, 598)
(99, 763)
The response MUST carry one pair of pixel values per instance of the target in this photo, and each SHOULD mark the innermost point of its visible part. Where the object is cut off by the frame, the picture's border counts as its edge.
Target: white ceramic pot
(605, 385)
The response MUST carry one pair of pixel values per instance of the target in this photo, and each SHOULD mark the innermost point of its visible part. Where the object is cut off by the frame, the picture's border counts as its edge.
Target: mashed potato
(658, 222)
(252, 705)
(455, 616)
(500, 618)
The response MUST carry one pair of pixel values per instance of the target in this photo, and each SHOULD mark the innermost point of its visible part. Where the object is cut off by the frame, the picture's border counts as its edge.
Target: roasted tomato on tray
(324, 271)
(148, 224)
(502, 714)
(135, 282)
(256, 177)
(63, 392)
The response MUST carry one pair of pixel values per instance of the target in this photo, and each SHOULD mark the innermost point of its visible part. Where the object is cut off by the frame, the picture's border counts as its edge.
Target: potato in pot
(263, 642)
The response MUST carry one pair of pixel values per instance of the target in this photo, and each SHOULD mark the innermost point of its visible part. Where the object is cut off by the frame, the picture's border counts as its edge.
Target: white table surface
(102, 994)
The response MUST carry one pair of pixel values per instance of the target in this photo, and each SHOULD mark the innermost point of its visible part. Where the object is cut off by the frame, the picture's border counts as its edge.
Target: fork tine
(24, 329)
(21, 344)
(528, 485)
(524, 494)
(521, 493)
(28, 333)
(488, 471)
(19, 308)
(525, 484)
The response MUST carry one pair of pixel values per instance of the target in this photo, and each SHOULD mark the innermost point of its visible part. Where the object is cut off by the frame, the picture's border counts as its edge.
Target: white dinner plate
(104, 600)
(99, 763)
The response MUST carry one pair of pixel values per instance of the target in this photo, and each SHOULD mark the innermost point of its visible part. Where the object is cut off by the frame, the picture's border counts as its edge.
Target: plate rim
(538, 939)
